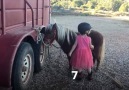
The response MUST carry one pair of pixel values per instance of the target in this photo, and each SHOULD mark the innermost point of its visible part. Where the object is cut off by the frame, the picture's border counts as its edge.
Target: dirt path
(54, 76)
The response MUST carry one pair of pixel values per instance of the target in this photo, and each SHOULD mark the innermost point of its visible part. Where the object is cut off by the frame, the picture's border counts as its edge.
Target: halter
(51, 39)
(40, 36)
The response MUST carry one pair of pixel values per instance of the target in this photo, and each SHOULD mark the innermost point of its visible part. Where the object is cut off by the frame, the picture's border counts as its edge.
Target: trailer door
(46, 12)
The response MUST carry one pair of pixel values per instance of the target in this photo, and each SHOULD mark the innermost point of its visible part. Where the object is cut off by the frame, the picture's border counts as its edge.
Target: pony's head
(49, 33)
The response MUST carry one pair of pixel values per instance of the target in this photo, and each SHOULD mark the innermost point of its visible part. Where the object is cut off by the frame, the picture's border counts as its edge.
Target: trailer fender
(9, 44)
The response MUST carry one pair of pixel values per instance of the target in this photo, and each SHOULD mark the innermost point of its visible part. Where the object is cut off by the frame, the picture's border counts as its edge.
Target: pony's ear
(54, 26)
(43, 30)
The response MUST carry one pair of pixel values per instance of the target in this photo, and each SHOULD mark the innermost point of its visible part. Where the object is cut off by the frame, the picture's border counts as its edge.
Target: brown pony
(66, 39)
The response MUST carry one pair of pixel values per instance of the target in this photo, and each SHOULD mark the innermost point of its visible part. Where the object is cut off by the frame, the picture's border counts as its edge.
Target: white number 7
(75, 74)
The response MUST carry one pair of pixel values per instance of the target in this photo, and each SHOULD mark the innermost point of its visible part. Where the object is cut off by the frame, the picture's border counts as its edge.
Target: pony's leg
(100, 54)
(93, 57)
(96, 54)
(98, 64)
(94, 61)
(70, 67)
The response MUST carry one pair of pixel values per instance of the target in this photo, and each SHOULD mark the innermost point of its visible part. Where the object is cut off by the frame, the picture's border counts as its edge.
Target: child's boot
(89, 77)
(79, 77)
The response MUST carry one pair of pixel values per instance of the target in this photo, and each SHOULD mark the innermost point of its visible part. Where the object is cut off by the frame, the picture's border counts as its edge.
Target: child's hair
(83, 27)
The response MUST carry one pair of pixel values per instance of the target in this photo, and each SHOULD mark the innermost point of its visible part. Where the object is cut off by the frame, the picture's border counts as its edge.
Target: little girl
(81, 55)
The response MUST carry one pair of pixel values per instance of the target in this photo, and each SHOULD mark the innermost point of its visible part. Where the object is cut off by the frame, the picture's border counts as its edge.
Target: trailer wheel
(23, 67)
(40, 57)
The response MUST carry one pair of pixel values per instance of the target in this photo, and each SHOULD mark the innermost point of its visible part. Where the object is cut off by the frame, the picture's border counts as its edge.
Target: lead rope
(46, 45)
(40, 37)
(58, 47)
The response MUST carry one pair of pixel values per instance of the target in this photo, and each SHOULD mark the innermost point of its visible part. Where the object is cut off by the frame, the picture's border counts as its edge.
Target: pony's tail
(102, 53)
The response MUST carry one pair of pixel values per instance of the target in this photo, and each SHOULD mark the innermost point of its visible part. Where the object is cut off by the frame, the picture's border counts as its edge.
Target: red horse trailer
(19, 52)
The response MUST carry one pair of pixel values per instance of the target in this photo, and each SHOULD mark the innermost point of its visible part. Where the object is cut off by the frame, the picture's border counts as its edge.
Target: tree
(108, 5)
(77, 3)
(85, 1)
(123, 7)
(116, 5)
(89, 4)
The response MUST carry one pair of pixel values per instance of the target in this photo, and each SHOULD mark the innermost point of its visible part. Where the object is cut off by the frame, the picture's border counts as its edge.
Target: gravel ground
(54, 75)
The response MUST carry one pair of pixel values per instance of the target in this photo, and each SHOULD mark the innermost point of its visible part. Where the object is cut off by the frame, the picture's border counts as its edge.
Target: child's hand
(92, 47)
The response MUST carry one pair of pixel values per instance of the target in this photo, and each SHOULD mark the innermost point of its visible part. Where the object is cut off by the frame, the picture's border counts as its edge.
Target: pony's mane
(63, 33)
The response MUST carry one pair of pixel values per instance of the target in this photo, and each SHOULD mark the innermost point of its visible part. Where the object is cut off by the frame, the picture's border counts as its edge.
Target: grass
(89, 13)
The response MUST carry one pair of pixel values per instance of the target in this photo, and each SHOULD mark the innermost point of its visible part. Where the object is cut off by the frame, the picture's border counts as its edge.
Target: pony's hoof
(89, 78)
(69, 69)
(69, 73)
(96, 69)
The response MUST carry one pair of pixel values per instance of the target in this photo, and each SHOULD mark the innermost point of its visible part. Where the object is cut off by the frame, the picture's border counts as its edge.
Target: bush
(84, 6)
(57, 7)
(91, 4)
(99, 7)
(86, 14)
(71, 8)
